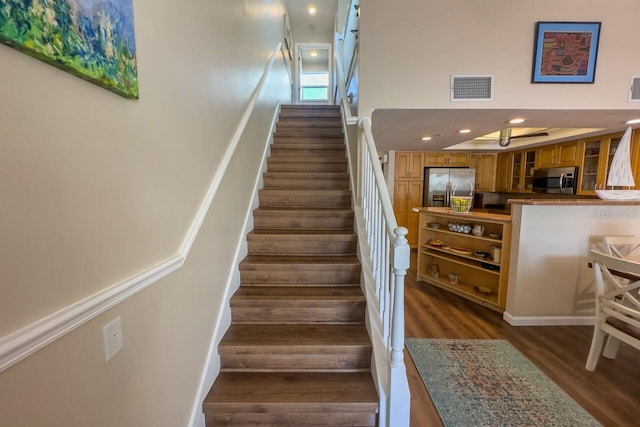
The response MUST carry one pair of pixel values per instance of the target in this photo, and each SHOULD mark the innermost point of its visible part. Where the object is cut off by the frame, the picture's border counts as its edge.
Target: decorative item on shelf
(461, 204)
(454, 278)
(491, 267)
(436, 243)
(460, 228)
(434, 225)
(478, 230)
(497, 253)
(620, 173)
(459, 250)
(494, 235)
(481, 254)
(482, 289)
(434, 270)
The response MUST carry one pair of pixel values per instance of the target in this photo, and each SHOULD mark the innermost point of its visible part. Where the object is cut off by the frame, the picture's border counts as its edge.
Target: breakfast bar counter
(549, 279)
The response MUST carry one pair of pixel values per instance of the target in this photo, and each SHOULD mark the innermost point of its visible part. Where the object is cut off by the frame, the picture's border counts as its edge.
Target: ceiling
(402, 129)
(312, 29)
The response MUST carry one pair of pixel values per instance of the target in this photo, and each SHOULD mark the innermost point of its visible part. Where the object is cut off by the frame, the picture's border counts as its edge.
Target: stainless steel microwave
(555, 180)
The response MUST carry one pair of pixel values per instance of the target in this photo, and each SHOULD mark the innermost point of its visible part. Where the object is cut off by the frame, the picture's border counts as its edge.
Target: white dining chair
(617, 282)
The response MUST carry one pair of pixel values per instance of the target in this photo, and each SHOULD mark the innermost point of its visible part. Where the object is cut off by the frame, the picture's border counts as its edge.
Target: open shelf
(473, 270)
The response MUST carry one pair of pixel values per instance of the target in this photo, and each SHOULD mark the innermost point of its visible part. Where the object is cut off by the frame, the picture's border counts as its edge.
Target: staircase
(297, 352)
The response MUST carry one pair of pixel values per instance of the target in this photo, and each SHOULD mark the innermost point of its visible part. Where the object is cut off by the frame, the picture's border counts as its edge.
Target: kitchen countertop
(481, 214)
(574, 202)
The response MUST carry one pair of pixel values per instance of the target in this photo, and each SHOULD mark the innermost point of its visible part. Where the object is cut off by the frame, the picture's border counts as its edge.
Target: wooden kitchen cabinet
(486, 166)
(503, 175)
(407, 191)
(483, 280)
(409, 166)
(557, 155)
(406, 196)
(596, 155)
(523, 163)
(447, 159)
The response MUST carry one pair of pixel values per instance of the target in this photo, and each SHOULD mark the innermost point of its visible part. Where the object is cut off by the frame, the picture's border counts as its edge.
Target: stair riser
(305, 183)
(282, 140)
(234, 359)
(300, 277)
(330, 120)
(319, 201)
(326, 152)
(275, 419)
(285, 221)
(306, 132)
(326, 313)
(279, 166)
(264, 245)
(308, 122)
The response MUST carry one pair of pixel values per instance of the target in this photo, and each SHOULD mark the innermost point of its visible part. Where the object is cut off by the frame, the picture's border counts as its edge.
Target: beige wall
(549, 279)
(96, 188)
(408, 65)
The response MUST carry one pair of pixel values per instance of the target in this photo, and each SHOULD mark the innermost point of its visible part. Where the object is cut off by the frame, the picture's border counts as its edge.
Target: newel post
(399, 396)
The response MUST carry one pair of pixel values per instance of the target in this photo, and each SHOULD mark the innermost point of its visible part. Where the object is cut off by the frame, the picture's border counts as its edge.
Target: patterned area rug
(490, 383)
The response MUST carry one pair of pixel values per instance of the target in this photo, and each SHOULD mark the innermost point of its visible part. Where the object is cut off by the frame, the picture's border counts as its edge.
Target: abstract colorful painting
(565, 52)
(92, 39)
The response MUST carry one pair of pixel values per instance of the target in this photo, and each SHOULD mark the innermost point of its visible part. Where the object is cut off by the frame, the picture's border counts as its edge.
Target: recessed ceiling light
(464, 131)
(426, 138)
(632, 121)
(516, 121)
(312, 10)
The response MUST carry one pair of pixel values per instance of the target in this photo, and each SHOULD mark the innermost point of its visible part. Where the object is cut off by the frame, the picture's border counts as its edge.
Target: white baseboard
(212, 363)
(548, 320)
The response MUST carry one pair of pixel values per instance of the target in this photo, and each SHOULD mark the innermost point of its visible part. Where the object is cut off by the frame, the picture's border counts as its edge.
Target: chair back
(617, 282)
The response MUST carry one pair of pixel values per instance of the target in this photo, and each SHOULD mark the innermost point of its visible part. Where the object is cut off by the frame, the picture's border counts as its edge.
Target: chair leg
(596, 347)
(611, 348)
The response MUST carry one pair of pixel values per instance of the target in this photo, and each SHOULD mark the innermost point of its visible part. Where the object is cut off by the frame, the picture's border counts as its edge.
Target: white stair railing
(384, 255)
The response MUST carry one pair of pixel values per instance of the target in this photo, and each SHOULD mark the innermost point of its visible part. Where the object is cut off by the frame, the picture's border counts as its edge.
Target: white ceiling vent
(471, 88)
(634, 89)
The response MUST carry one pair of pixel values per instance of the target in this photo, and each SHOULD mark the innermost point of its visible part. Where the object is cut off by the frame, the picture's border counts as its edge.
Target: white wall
(549, 278)
(409, 64)
(96, 188)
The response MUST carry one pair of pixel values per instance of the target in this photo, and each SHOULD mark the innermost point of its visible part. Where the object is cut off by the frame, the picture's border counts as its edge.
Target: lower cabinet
(475, 266)
(406, 196)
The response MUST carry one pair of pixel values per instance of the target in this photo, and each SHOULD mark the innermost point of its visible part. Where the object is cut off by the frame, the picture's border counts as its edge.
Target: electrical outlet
(113, 340)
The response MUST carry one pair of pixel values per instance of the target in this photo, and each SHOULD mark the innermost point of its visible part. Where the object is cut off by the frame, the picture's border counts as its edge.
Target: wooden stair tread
(307, 159)
(328, 211)
(289, 139)
(314, 175)
(286, 293)
(315, 262)
(300, 233)
(293, 391)
(297, 335)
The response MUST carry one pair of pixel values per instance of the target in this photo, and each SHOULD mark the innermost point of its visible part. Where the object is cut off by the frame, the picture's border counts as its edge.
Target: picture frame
(565, 52)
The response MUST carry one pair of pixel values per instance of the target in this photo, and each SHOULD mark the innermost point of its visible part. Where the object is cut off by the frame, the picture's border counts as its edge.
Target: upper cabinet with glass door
(597, 154)
(522, 171)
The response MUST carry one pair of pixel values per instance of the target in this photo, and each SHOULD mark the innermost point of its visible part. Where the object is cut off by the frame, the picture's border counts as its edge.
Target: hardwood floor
(611, 393)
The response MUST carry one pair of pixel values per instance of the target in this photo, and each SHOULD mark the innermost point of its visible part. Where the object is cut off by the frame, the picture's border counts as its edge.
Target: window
(314, 86)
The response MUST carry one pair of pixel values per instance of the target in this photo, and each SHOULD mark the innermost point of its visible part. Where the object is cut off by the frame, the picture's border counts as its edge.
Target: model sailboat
(620, 173)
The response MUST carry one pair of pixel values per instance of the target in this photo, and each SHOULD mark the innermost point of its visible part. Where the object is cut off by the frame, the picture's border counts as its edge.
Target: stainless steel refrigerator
(442, 183)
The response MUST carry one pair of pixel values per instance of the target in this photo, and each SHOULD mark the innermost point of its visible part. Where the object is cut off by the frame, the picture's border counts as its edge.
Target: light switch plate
(113, 339)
